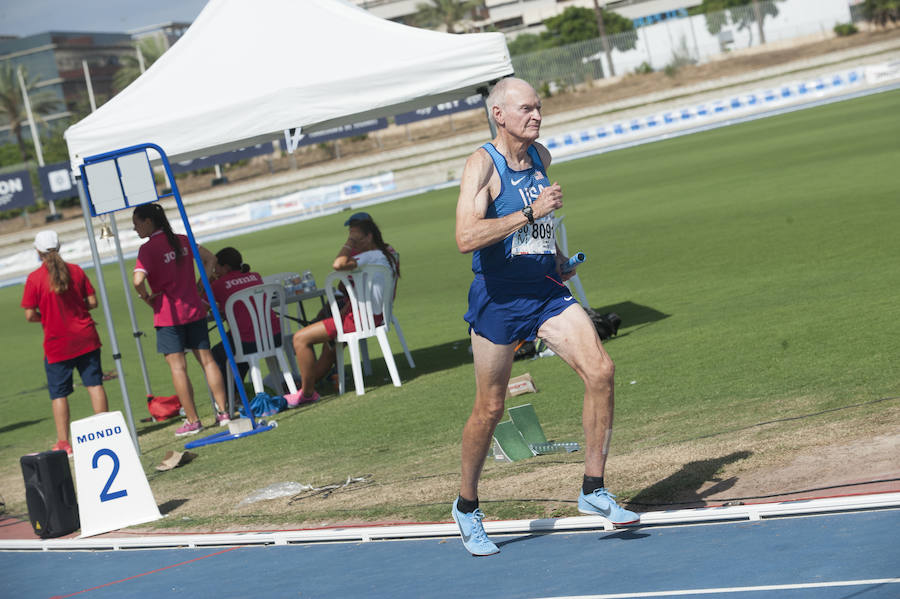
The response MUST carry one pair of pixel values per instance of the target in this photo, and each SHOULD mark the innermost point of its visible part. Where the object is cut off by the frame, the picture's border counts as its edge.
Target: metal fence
(676, 42)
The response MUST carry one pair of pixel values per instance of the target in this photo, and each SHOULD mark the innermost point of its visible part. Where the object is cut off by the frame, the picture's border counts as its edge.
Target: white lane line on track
(771, 587)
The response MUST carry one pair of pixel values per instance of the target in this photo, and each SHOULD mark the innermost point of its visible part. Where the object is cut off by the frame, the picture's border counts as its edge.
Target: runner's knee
(601, 374)
(488, 412)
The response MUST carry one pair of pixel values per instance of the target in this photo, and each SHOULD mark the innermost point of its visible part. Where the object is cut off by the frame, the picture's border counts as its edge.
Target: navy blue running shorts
(177, 338)
(59, 374)
(505, 311)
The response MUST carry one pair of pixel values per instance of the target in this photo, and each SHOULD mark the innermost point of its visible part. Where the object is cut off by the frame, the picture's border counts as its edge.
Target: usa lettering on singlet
(530, 252)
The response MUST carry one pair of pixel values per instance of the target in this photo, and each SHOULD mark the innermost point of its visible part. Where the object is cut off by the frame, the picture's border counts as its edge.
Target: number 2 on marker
(105, 495)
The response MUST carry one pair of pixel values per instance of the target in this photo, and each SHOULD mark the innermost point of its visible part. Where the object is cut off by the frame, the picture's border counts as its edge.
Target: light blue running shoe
(601, 502)
(472, 532)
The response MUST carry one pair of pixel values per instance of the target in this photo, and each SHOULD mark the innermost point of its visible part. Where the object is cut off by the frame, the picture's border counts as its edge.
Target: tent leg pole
(126, 285)
(487, 112)
(226, 344)
(104, 300)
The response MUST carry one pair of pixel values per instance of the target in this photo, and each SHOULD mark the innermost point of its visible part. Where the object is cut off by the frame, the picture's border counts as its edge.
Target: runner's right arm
(479, 184)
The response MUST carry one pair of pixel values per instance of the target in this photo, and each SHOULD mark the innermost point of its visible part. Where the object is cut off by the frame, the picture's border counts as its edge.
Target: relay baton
(574, 261)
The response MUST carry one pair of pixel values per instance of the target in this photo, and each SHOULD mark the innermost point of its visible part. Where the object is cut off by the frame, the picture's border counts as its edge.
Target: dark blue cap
(357, 216)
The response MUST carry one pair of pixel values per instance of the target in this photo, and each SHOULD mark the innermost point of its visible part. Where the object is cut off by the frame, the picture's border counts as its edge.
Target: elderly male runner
(505, 217)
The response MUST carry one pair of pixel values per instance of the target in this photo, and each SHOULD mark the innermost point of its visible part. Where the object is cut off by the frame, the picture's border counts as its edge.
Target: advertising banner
(15, 190)
(294, 139)
(445, 108)
(57, 182)
(223, 158)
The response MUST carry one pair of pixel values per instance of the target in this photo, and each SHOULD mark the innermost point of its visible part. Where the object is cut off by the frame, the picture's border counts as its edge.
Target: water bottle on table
(309, 283)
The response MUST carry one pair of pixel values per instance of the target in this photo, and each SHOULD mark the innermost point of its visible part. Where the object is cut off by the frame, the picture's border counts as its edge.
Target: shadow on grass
(15, 425)
(428, 360)
(151, 428)
(632, 315)
(683, 487)
(447, 356)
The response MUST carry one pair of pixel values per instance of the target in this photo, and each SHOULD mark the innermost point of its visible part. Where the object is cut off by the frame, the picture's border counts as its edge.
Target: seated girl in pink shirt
(230, 276)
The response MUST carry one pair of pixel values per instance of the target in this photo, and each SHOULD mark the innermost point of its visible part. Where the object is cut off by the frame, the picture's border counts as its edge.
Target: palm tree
(882, 11)
(448, 13)
(12, 106)
(151, 48)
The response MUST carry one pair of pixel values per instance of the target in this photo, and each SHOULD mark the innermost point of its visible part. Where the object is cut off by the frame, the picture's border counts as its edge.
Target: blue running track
(812, 557)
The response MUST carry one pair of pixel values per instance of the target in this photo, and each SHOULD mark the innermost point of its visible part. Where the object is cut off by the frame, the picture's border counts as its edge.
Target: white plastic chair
(288, 340)
(364, 348)
(359, 285)
(564, 246)
(259, 301)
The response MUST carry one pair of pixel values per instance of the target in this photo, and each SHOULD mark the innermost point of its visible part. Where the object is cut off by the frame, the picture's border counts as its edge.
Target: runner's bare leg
(493, 364)
(572, 336)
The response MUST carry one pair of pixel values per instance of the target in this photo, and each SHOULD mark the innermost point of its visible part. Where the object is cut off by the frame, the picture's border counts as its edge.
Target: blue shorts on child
(59, 374)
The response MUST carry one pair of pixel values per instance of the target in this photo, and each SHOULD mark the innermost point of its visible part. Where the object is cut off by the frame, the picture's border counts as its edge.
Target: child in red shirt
(59, 295)
(165, 262)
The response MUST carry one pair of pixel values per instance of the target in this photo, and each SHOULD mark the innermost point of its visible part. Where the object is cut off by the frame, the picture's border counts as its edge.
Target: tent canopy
(244, 72)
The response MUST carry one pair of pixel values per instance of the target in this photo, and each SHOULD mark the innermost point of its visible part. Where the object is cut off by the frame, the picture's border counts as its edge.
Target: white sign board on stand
(113, 491)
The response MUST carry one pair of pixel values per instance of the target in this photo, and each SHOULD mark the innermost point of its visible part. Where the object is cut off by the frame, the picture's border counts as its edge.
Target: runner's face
(521, 112)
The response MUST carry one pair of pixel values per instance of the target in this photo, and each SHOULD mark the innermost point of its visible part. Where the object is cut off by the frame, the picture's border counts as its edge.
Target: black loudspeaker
(50, 494)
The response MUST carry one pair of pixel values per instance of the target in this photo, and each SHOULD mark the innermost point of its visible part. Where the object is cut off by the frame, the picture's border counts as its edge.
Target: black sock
(591, 484)
(466, 506)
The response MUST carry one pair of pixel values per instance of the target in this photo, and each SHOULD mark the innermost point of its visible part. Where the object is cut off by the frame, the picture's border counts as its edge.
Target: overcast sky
(27, 17)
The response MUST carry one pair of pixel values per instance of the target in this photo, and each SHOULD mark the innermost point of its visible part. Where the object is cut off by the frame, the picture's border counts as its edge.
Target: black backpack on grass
(607, 325)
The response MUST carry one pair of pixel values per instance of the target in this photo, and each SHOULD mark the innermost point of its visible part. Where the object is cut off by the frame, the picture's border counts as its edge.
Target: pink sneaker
(222, 418)
(297, 399)
(63, 446)
(189, 428)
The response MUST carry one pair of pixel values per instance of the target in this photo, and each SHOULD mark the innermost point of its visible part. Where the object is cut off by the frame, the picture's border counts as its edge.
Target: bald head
(503, 88)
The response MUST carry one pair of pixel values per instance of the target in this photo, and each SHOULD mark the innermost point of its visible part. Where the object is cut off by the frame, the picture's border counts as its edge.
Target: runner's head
(515, 108)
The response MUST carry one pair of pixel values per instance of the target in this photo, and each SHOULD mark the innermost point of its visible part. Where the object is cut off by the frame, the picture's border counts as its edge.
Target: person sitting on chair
(364, 246)
(231, 275)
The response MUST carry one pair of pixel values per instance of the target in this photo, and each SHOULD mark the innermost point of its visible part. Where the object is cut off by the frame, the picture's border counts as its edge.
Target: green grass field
(754, 267)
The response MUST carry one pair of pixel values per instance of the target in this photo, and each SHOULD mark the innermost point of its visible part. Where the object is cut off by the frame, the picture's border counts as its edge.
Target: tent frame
(88, 212)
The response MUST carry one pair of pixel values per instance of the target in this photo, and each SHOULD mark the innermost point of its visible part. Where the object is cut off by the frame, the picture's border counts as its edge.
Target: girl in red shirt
(59, 295)
(165, 262)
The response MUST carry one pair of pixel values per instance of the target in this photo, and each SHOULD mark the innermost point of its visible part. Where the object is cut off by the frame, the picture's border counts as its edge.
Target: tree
(12, 106)
(448, 13)
(525, 43)
(151, 48)
(743, 14)
(576, 24)
(882, 11)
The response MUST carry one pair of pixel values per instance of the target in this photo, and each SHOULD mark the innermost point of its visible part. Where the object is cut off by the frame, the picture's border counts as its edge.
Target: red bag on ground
(163, 408)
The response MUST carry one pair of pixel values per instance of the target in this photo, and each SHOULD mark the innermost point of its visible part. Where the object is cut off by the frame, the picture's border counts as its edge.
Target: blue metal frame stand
(257, 427)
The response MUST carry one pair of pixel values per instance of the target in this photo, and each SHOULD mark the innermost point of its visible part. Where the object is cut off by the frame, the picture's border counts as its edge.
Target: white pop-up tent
(244, 72)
